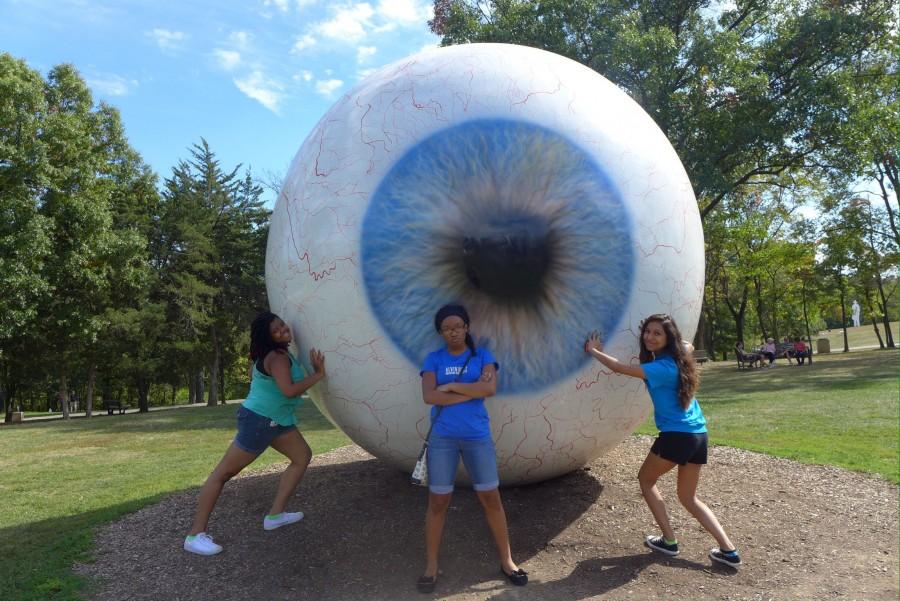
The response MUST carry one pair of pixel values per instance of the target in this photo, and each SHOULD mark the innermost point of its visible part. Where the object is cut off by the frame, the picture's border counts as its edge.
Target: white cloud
(348, 23)
(328, 86)
(364, 52)
(303, 42)
(111, 84)
(239, 39)
(306, 75)
(167, 40)
(364, 73)
(281, 5)
(227, 59)
(405, 12)
(261, 88)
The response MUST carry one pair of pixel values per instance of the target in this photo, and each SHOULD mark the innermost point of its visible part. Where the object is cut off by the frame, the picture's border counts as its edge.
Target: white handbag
(420, 471)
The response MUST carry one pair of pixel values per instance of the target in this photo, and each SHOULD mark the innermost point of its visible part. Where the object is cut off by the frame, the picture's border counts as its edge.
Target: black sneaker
(659, 543)
(729, 559)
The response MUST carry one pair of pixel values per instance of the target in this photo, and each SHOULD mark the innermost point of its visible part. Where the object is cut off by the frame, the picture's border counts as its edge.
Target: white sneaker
(271, 522)
(201, 544)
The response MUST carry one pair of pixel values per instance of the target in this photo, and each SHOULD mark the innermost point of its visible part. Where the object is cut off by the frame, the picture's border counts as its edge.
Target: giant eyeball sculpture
(518, 183)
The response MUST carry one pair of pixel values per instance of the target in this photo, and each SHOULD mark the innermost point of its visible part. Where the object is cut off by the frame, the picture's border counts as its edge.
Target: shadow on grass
(39, 555)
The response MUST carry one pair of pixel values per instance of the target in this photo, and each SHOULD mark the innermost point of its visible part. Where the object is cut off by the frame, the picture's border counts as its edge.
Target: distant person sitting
(801, 351)
(748, 359)
(768, 351)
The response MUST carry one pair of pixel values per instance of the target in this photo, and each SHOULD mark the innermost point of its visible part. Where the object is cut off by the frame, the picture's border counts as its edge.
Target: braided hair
(261, 343)
(688, 374)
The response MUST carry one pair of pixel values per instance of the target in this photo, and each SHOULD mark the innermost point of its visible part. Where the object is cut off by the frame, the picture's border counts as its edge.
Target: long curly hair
(261, 343)
(688, 374)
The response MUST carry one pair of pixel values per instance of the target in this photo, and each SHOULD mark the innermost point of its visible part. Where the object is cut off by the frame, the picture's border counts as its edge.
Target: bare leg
(496, 519)
(293, 446)
(232, 463)
(655, 466)
(688, 477)
(435, 516)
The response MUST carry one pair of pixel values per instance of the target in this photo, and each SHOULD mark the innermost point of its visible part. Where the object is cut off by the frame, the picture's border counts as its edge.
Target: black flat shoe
(518, 577)
(425, 584)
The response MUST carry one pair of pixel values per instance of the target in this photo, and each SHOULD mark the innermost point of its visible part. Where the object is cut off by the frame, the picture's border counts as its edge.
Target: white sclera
(314, 268)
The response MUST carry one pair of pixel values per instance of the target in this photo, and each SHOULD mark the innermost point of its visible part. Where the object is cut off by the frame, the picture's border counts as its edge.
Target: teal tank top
(266, 399)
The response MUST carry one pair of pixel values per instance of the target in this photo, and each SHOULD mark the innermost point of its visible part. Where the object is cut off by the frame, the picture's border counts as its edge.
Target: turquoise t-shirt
(266, 399)
(661, 377)
(468, 420)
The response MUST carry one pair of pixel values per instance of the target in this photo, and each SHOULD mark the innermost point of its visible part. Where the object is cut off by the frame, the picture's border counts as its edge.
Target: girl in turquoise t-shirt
(266, 418)
(668, 369)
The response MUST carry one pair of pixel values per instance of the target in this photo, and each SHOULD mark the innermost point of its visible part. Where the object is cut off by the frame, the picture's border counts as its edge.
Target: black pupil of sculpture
(509, 259)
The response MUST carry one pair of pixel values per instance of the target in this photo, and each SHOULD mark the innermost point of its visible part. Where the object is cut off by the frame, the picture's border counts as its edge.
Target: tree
(24, 232)
(211, 253)
(738, 92)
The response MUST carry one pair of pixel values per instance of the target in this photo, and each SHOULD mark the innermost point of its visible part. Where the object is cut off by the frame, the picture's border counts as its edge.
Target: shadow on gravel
(362, 538)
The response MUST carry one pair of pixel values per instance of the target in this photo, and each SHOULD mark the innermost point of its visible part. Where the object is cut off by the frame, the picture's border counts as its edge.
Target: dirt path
(805, 532)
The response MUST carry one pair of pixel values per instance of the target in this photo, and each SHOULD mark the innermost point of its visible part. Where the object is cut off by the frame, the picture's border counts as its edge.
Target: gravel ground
(805, 532)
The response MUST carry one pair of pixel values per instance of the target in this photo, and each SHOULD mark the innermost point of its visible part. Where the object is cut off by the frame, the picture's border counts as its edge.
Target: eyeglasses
(453, 330)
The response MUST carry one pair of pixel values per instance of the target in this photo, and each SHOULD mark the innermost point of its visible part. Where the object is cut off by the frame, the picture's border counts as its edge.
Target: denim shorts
(478, 456)
(256, 432)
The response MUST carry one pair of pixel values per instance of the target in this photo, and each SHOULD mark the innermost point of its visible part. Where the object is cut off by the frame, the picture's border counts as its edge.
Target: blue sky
(252, 77)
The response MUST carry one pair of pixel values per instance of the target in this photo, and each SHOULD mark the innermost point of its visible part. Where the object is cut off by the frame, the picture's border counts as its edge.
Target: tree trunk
(64, 395)
(870, 306)
(89, 396)
(174, 391)
(806, 320)
(222, 385)
(844, 321)
(885, 320)
(143, 390)
(8, 405)
(192, 388)
(757, 288)
(199, 385)
(213, 398)
(214, 369)
(739, 314)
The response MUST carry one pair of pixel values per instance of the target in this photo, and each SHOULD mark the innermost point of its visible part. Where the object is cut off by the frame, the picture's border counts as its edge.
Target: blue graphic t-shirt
(468, 420)
(661, 377)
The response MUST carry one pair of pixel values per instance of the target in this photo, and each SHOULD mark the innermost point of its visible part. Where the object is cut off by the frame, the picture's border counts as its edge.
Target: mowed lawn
(842, 410)
(857, 338)
(61, 479)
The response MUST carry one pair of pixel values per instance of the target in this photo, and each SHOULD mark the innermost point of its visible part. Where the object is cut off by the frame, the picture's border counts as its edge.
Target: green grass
(62, 479)
(842, 410)
(856, 337)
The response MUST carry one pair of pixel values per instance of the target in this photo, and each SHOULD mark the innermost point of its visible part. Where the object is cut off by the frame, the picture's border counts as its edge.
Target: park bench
(747, 360)
(701, 356)
(111, 405)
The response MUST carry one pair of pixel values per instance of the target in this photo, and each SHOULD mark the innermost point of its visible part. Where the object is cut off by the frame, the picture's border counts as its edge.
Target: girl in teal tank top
(266, 418)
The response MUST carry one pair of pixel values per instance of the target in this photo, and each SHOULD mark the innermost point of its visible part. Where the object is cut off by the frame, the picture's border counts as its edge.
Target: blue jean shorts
(256, 432)
(478, 456)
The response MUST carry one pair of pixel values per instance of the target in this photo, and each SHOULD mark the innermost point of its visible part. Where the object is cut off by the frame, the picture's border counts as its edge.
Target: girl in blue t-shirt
(455, 380)
(265, 419)
(668, 369)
